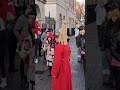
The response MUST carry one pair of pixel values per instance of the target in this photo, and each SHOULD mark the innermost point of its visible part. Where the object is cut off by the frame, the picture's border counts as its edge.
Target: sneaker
(36, 61)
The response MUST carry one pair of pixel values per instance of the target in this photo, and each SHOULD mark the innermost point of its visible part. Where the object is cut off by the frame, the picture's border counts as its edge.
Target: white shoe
(36, 60)
(4, 83)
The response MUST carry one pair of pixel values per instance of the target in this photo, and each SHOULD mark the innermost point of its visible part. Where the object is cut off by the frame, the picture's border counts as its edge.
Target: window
(60, 16)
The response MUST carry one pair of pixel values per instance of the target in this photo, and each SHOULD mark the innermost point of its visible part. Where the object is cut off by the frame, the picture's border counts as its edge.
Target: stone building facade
(58, 9)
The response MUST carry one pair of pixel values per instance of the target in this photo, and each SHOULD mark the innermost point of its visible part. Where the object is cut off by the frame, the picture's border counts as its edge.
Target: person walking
(100, 17)
(38, 43)
(23, 18)
(2, 53)
(76, 34)
(115, 46)
(43, 40)
(49, 52)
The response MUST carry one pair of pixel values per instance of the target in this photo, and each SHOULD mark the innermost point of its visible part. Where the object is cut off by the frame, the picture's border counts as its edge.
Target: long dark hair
(31, 35)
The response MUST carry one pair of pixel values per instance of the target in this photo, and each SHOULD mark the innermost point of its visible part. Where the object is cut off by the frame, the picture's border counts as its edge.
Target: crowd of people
(18, 36)
(24, 38)
(108, 24)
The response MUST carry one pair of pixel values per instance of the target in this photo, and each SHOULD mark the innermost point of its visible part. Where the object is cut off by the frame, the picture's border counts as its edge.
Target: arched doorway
(38, 13)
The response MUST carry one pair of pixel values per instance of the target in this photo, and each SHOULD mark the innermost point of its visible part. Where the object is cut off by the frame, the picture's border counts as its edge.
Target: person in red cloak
(61, 71)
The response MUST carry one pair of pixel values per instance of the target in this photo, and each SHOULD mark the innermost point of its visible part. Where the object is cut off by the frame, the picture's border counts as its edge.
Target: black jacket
(115, 46)
(110, 29)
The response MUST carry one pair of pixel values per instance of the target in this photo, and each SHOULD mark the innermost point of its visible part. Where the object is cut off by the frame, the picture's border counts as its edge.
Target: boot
(4, 83)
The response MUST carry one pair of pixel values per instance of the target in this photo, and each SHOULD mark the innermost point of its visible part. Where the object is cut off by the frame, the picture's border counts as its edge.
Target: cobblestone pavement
(13, 79)
(43, 82)
(93, 56)
(93, 76)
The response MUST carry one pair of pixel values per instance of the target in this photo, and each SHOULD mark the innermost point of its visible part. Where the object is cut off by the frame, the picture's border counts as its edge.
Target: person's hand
(53, 76)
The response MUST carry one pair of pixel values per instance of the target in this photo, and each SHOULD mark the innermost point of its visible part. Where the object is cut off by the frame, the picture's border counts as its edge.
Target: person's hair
(33, 13)
(31, 35)
(27, 7)
(115, 12)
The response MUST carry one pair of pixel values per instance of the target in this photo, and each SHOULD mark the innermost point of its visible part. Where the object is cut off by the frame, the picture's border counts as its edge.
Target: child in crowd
(24, 54)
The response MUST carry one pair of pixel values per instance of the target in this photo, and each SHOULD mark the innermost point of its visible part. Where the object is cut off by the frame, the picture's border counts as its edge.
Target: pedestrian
(79, 43)
(100, 17)
(82, 45)
(105, 50)
(12, 41)
(61, 71)
(115, 46)
(3, 46)
(49, 52)
(43, 40)
(38, 43)
(76, 33)
(39, 38)
(25, 34)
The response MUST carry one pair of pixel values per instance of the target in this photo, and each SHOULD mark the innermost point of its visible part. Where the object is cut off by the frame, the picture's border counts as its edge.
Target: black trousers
(50, 69)
(12, 45)
(40, 46)
(3, 47)
(83, 57)
(36, 48)
(116, 74)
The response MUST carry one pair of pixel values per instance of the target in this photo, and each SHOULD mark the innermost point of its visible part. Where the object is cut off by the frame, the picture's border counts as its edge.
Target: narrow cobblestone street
(93, 76)
(43, 82)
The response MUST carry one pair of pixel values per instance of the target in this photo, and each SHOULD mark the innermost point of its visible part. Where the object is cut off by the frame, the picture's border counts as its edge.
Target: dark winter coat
(115, 41)
(109, 29)
(115, 46)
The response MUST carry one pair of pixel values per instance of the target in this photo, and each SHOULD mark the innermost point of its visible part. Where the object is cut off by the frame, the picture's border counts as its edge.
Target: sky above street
(81, 1)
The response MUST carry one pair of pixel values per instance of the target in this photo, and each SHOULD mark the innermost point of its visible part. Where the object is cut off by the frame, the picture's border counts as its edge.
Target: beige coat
(31, 53)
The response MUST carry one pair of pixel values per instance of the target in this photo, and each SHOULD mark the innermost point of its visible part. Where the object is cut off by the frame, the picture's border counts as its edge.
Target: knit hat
(115, 12)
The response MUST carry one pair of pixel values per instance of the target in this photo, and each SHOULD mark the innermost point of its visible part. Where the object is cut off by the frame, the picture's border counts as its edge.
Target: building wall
(61, 8)
(50, 8)
(41, 11)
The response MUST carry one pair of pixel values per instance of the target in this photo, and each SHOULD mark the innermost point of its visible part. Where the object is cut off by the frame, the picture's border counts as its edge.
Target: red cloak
(61, 68)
